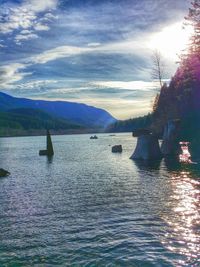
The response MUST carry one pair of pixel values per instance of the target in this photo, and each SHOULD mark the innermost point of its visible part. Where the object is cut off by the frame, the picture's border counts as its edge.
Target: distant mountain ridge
(75, 113)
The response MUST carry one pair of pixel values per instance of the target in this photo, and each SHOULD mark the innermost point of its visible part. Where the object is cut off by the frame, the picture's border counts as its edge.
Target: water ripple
(89, 207)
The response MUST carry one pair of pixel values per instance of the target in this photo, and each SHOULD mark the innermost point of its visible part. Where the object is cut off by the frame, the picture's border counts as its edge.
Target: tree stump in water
(147, 147)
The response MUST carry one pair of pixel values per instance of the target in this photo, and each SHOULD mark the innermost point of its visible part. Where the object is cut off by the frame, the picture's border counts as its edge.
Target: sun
(171, 40)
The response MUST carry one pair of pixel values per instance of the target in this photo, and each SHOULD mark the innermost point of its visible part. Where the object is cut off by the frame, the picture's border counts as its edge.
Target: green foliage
(131, 124)
(182, 96)
(26, 119)
(193, 19)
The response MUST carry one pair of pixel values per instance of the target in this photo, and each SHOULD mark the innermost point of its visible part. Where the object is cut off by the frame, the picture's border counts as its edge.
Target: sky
(97, 52)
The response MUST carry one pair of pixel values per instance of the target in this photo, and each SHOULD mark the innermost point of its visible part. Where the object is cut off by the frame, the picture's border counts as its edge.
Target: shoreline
(53, 132)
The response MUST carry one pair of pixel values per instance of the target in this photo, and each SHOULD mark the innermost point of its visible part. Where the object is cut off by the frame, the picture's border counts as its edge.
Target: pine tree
(190, 59)
(193, 19)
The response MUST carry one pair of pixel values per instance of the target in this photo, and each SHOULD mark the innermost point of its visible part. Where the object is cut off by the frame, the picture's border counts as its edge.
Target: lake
(89, 207)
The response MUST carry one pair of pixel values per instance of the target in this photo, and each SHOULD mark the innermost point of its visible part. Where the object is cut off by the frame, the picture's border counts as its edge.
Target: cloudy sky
(98, 52)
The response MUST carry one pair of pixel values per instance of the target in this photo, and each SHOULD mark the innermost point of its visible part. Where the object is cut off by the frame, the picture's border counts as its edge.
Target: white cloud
(13, 72)
(25, 32)
(49, 16)
(22, 37)
(2, 44)
(41, 5)
(10, 74)
(35, 84)
(17, 18)
(93, 44)
(121, 109)
(132, 45)
(59, 52)
(41, 27)
(132, 85)
(25, 17)
(126, 47)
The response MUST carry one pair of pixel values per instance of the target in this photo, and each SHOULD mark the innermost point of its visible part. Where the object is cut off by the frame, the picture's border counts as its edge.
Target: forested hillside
(131, 124)
(181, 98)
(25, 120)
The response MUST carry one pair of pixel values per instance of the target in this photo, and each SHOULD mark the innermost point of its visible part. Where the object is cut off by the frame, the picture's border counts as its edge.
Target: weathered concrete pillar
(147, 147)
(170, 143)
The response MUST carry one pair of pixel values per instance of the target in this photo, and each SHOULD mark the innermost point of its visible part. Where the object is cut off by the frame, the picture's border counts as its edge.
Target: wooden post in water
(49, 150)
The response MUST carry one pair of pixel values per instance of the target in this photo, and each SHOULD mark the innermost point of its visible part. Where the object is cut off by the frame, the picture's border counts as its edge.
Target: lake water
(90, 207)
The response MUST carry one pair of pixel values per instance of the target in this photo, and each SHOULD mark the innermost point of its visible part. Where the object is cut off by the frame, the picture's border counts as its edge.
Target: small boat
(93, 137)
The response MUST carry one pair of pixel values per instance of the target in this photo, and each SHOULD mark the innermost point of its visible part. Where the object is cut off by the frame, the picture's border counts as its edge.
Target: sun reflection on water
(184, 220)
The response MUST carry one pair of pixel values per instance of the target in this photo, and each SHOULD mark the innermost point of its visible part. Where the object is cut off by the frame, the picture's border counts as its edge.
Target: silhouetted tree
(181, 98)
(155, 102)
(158, 72)
(158, 69)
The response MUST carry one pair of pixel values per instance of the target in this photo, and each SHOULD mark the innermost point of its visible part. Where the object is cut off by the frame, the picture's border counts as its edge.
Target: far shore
(53, 132)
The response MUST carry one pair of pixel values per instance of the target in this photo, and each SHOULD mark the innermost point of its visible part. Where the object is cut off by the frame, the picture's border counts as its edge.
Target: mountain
(27, 118)
(26, 121)
(75, 113)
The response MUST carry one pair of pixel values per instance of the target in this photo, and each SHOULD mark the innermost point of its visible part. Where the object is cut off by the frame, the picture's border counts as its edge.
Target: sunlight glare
(184, 238)
(171, 40)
